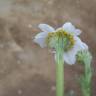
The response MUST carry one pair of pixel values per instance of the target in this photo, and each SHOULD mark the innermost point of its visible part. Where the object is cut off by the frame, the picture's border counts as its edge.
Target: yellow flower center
(67, 39)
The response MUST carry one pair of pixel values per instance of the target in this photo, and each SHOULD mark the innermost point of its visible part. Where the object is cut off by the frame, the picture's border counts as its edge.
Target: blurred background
(25, 68)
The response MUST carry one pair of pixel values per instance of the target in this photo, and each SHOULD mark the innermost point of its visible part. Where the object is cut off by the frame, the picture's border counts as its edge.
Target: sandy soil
(25, 68)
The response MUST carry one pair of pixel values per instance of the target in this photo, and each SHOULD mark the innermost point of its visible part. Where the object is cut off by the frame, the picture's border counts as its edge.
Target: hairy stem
(86, 79)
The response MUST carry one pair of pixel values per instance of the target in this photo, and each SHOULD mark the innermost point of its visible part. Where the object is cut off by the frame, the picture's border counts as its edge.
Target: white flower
(70, 55)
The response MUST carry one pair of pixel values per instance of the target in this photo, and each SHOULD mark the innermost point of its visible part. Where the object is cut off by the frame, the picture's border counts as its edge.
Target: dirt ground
(25, 68)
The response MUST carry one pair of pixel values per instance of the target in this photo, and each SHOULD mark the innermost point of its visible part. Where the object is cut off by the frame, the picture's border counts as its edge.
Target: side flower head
(68, 34)
(84, 56)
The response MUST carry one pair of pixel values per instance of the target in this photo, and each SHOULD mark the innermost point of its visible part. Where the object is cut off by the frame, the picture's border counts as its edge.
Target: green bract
(65, 37)
(84, 55)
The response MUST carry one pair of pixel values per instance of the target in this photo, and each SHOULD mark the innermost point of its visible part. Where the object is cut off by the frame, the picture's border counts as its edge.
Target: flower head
(68, 34)
(84, 56)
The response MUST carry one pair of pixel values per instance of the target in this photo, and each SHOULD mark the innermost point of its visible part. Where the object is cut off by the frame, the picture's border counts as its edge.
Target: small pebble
(18, 62)
(53, 88)
(19, 91)
(29, 26)
(1, 46)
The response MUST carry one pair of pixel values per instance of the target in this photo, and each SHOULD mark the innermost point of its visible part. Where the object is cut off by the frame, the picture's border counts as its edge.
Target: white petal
(70, 56)
(77, 40)
(81, 45)
(58, 29)
(41, 35)
(77, 32)
(46, 28)
(41, 42)
(84, 46)
(68, 27)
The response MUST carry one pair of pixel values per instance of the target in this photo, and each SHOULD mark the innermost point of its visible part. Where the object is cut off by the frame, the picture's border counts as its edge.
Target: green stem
(87, 77)
(59, 70)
